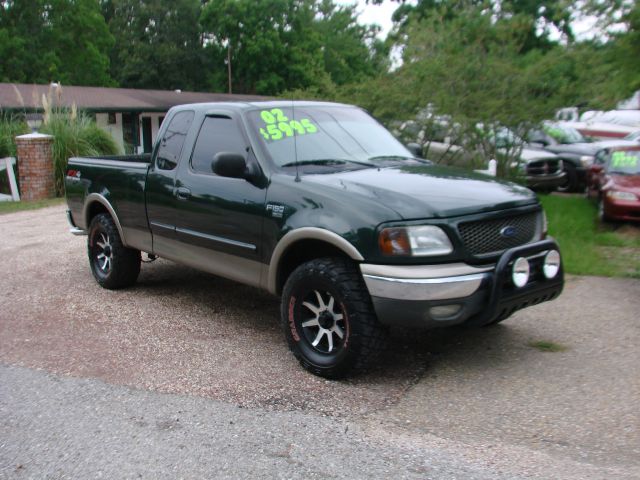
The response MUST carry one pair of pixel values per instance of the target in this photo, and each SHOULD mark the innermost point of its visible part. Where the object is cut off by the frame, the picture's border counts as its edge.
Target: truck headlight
(618, 195)
(418, 241)
(586, 160)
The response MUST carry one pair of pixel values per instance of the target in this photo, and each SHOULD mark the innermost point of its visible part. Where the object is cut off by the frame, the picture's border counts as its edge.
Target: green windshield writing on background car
(626, 162)
(304, 134)
(564, 134)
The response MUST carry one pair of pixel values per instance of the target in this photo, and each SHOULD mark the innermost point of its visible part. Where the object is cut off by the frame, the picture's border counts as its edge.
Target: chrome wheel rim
(104, 253)
(323, 322)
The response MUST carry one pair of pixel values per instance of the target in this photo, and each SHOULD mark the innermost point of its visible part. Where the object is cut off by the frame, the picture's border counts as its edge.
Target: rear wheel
(328, 318)
(113, 265)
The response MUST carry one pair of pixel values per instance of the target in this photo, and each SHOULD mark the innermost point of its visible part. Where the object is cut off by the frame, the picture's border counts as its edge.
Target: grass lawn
(588, 247)
(10, 207)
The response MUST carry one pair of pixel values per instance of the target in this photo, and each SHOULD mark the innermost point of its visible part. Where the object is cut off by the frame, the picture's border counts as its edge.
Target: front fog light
(520, 273)
(551, 264)
(444, 311)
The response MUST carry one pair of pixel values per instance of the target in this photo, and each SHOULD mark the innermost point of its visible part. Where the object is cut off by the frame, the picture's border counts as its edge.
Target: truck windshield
(331, 135)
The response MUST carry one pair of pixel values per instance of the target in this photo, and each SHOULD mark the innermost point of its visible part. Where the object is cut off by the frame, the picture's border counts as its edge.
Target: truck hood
(530, 154)
(575, 148)
(425, 191)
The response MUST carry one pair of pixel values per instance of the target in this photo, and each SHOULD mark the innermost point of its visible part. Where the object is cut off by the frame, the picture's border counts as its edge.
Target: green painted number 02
(278, 125)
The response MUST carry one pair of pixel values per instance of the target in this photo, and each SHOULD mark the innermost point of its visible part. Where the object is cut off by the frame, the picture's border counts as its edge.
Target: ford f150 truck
(320, 204)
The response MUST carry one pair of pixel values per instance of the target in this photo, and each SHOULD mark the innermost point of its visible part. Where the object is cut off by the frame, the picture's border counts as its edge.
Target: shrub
(10, 127)
(75, 135)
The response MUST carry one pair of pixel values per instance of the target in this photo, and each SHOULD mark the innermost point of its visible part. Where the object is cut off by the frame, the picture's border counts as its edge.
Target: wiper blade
(399, 157)
(327, 161)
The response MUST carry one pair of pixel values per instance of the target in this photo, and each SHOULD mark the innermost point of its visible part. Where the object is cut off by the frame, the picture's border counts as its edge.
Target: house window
(112, 118)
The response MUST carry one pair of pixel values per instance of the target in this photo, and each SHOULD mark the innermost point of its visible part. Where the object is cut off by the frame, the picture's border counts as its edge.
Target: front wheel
(113, 265)
(328, 318)
(571, 183)
(602, 216)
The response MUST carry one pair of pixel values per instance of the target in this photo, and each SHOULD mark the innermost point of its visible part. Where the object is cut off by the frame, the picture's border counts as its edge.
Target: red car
(614, 179)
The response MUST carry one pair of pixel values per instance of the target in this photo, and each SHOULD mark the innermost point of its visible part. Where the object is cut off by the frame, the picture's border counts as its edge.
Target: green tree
(158, 43)
(278, 45)
(537, 20)
(62, 40)
(468, 74)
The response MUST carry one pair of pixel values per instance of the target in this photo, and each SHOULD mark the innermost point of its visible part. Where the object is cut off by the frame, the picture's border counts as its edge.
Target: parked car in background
(604, 127)
(614, 180)
(576, 151)
(541, 170)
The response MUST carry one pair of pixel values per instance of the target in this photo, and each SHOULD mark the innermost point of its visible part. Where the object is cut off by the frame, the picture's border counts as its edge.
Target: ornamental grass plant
(75, 134)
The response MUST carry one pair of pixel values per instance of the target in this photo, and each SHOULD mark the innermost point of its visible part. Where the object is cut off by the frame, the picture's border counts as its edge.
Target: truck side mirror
(226, 164)
(415, 149)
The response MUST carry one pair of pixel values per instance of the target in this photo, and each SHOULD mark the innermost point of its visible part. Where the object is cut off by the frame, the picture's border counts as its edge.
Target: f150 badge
(277, 211)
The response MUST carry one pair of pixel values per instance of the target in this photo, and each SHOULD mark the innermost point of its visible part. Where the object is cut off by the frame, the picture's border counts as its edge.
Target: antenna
(295, 142)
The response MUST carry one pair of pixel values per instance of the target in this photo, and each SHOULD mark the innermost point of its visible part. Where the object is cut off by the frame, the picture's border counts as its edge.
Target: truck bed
(120, 180)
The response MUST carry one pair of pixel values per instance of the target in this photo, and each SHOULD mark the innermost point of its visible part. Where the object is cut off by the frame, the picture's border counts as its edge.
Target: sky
(378, 14)
(583, 28)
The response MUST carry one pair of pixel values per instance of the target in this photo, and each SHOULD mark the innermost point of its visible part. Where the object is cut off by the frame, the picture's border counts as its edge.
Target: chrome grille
(544, 167)
(487, 236)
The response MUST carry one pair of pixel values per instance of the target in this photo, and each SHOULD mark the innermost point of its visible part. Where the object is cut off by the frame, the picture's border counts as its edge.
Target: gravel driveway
(484, 397)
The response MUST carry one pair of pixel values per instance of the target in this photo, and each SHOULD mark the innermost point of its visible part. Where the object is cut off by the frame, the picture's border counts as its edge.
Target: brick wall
(35, 166)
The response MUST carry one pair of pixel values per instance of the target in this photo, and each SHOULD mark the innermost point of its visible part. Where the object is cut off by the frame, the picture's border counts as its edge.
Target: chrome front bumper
(429, 296)
(409, 295)
(438, 282)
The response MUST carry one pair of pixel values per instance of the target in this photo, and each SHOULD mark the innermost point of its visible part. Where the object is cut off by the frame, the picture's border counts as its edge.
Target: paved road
(93, 381)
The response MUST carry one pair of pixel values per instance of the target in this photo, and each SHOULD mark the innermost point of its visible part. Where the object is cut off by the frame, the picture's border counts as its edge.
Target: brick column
(35, 166)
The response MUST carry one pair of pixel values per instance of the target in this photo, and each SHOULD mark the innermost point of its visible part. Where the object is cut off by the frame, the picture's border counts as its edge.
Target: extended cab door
(160, 187)
(218, 219)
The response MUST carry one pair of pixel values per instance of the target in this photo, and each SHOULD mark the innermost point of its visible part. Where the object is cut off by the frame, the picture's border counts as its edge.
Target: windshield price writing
(623, 159)
(278, 125)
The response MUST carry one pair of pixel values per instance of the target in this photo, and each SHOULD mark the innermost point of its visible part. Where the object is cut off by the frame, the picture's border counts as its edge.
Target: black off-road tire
(113, 265)
(351, 312)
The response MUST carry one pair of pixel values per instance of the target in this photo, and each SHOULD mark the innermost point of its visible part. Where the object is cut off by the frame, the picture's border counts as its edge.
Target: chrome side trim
(96, 197)
(214, 238)
(443, 288)
(106, 163)
(163, 226)
(305, 233)
(422, 271)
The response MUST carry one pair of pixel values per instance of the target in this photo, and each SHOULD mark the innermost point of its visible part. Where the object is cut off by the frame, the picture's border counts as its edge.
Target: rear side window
(173, 140)
(217, 134)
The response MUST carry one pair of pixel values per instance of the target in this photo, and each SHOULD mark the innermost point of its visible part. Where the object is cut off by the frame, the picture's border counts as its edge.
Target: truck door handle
(183, 193)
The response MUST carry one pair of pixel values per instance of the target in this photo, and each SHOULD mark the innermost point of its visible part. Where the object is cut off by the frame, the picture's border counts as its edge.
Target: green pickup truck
(320, 204)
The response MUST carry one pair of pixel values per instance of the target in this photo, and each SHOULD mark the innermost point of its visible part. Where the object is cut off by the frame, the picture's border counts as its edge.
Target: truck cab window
(173, 140)
(217, 134)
